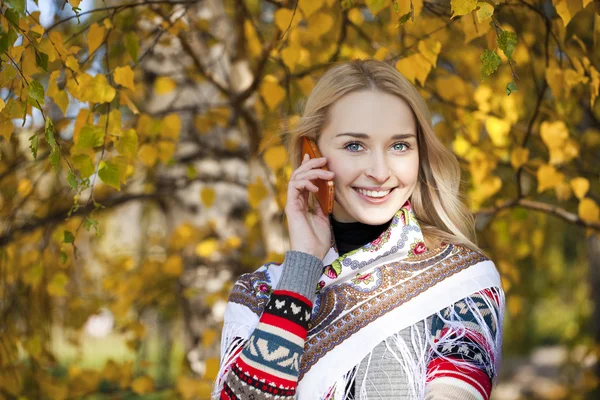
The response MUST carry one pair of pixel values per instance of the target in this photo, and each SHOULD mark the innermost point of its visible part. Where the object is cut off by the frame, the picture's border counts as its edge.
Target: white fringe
(414, 353)
(229, 347)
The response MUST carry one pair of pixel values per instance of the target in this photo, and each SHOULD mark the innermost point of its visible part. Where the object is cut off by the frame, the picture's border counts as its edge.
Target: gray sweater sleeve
(301, 272)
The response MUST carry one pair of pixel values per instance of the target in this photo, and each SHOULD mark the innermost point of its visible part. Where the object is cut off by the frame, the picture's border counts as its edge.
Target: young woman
(388, 297)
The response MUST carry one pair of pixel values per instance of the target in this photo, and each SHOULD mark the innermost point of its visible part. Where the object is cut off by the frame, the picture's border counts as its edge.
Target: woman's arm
(468, 342)
(268, 364)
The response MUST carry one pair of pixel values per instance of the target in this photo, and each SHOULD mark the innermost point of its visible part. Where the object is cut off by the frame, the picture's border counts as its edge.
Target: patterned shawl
(365, 297)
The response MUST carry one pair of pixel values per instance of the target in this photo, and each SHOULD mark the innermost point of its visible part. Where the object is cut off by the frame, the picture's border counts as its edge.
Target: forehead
(370, 112)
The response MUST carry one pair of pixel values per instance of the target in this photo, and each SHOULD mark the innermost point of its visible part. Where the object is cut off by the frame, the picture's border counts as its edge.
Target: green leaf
(110, 174)
(12, 16)
(63, 257)
(132, 45)
(72, 179)
(55, 158)
(68, 237)
(491, 61)
(396, 7)
(403, 19)
(90, 136)
(36, 91)
(34, 145)
(49, 134)
(41, 59)
(128, 143)
(89, 222)
(7, 40)
(507, 42)
(18, 5)
(347, 4)
(84, 164)
(511, 87)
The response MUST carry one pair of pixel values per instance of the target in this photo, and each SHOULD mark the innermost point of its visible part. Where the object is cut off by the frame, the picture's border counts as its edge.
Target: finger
(309, 164)
(315, 174)
(304, 184)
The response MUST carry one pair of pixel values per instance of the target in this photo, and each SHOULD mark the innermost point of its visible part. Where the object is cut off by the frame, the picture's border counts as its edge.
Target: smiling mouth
(374, 196)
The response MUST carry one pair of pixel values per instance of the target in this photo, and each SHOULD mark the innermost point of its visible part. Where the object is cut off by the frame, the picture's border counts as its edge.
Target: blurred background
(142, 171)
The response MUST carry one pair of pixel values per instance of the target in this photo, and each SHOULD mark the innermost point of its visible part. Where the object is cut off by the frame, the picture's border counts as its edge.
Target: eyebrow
(365, 136)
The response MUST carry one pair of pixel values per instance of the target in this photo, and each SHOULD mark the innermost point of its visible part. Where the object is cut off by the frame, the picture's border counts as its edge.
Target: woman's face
(370, 143)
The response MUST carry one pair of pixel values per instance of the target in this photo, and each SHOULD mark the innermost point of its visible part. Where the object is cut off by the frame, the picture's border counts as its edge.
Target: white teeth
(371, 193)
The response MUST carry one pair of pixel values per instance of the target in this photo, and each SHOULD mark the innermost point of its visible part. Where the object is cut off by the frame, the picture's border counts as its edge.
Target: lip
(378, 200)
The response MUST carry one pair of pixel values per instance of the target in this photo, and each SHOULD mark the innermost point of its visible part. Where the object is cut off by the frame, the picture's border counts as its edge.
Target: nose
(378, 169)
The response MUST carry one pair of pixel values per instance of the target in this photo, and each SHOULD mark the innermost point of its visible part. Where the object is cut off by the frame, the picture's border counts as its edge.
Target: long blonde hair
(437, 201)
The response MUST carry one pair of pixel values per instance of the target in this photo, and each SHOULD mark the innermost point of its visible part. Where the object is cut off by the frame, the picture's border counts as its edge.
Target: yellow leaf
(57, 285)
(556, 80)
(252, 40)
(320, 24)
(375, 6)
(484, 12)
(381, 53)
(563, 191)
(306, 85)
(165, 151)
(208, 195)
(256, 193)
(95, 37)
(171, 126)
(99, 90)
(107, 23)
(566, 9)
(207, 247)
(309, 7)
(148, 154)
(548, 177)
(142, 385)
(518, 157)
(462, 7)
(24, 187)
(2, 105)
(430, 49)
(473, 29)
(498, 130)
(461, 146)
(283, 17)
(208, 337)
(233, 242)
(212, 368)
(588, 210)
(203, 124)
(271, 92)
(173, 266)
(193, 388)
(124, 77)
(290, 56)
(74, 3)
(580, 187)
(126, 101)
(80, 121)
(356, 16)
(164, 85)
(275, 157)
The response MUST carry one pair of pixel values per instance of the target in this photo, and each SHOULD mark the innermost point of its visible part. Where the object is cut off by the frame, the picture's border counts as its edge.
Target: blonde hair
(436, 200)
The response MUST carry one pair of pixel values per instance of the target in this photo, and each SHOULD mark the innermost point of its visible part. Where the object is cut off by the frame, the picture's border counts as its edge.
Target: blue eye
(354, 150)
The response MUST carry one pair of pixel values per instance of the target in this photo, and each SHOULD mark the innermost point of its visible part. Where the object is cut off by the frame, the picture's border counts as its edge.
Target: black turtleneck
(352, 235)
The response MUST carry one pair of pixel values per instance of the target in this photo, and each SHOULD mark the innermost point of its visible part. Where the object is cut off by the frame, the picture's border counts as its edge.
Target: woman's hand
(309, 233)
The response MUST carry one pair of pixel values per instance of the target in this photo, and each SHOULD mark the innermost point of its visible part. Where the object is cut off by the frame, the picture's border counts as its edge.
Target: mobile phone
(326, 191)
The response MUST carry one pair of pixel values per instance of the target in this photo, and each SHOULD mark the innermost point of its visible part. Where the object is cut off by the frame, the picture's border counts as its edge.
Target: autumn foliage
(142, 167)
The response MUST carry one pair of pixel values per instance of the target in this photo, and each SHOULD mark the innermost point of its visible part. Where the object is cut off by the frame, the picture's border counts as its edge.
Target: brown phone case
(325, 194)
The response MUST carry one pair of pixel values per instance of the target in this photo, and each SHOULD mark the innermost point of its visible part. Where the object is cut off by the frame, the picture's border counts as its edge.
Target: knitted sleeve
(267, 366)
(467, 348)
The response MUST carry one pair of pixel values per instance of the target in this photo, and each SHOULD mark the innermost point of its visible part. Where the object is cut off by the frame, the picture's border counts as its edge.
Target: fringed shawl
(368, 296)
